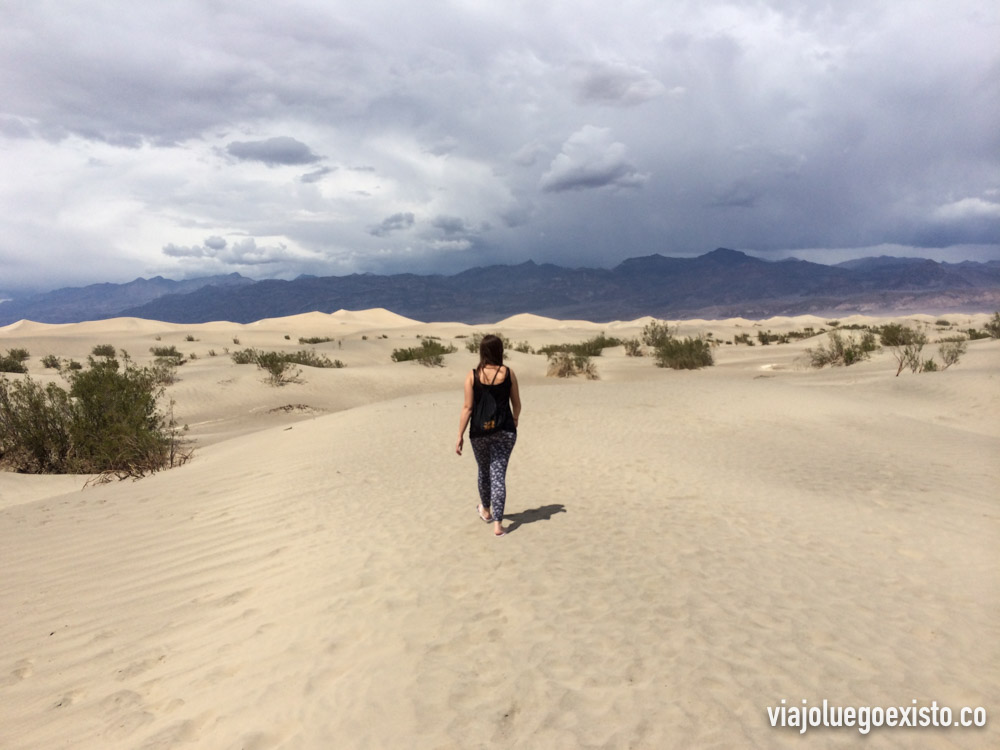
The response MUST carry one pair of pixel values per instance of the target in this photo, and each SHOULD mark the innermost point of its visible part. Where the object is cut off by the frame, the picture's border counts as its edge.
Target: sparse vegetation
(906, 345)
(280, 366)
(993, 326)
(633, 347)
(656, 332)
(107, 423)
(565, 364)
(50, 361)
(589, 348)
(430, 353)
(314, 339)
(951, 351)
(842, 350)
(684, 354)
(477, 338)
(13, 361)
(103, 350)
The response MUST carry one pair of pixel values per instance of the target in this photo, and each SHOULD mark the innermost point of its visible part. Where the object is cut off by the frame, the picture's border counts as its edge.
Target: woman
(492, 447)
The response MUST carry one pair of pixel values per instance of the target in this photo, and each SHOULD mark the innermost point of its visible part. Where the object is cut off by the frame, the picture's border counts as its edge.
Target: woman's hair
(490, 351)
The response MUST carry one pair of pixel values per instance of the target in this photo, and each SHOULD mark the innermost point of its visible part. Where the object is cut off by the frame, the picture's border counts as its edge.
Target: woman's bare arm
(515, 397)
(463, 421)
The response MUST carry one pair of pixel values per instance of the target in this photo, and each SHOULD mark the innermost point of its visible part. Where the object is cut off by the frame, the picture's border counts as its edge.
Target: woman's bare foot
(498, 529)
(484, 514)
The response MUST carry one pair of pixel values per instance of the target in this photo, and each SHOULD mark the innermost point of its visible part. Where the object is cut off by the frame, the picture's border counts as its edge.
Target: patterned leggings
(492, 454)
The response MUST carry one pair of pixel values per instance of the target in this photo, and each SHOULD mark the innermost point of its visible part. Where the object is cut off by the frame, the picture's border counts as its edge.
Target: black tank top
(501, 394)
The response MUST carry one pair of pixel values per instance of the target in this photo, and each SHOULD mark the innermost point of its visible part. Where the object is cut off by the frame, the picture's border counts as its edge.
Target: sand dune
(687, 549)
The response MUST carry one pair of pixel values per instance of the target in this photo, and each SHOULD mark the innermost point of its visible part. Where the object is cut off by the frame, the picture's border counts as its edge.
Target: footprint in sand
(138, 667)
(73, 696)
(22, 671)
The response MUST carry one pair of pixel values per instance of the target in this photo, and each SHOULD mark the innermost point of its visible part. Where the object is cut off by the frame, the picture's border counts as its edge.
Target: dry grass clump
(430, 353)
(563, 364)
(280, 366)
(843, 350)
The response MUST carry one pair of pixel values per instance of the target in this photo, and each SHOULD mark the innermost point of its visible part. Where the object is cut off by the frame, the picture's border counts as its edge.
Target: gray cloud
(394, 223)
(579, 134)
(591, 159)
(616, 84)
(274, 152)
(317, 175)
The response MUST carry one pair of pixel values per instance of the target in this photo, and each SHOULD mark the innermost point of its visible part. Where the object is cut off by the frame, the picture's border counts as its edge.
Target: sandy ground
(686, 550)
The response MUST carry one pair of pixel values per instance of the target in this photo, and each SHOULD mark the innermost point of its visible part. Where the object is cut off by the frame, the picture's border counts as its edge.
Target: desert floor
(687, 548)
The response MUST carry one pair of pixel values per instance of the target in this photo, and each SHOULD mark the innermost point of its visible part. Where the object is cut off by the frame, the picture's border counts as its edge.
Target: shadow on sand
(532, 515)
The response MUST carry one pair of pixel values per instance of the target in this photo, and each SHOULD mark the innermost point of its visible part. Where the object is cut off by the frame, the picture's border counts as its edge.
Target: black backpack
(486, 416)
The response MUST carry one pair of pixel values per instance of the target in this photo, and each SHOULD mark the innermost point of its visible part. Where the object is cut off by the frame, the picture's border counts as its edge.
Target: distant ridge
(101, 301)
(721, 283)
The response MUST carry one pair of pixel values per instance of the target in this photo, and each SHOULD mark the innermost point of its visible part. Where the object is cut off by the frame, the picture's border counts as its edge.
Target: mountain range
(722, 283)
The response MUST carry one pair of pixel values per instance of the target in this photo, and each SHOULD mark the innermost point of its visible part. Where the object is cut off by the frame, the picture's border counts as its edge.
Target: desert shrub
(951, 352)
(743, 338)
(73, 365)
(833, 323)
(280, 366)
(430, 353)
(633, 347)
(942, 322)
(684, 354)
(13, 361)
(280, 370)
(236, 340)
(108, 422)
(310, 358)
(589, 348)
(524, 347)
(906, 345)
(993, 326)
(656, 332)
(289, 338)
(841, 350)
(190, 337)
(244, 357)
(50, 361)
(314, 339)
(563, 364)
(103, 350)
(477, 338)
(169, 354)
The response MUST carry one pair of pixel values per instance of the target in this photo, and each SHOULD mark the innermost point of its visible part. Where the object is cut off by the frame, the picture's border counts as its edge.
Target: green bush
(687, 354)
(50, 361)
(633, 347)
(103, 350)
(993, 326)
(279, 365)
(107, 423)
(589, 348)
(656, 332)
(843, 351)
(314, 339)
(905, 344)
(563, 364)
(430, 353)
(952, 351)
(477, 338)
(13, 361)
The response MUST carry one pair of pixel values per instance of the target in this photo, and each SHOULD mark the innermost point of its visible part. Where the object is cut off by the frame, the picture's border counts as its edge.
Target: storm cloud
(331, 138)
